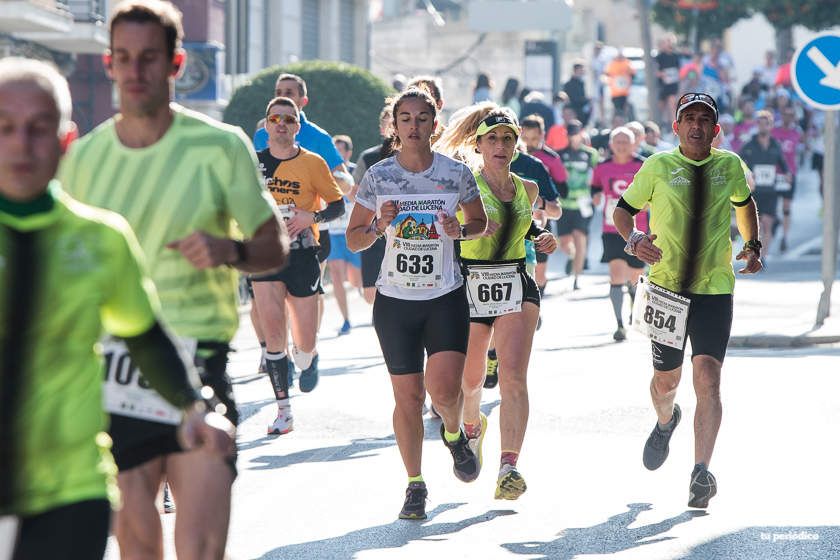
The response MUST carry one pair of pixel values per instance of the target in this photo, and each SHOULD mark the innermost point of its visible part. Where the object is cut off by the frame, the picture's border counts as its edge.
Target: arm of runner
(643, 246)
(475, 221)
(303, 219)
(746, 216)
(343, 178)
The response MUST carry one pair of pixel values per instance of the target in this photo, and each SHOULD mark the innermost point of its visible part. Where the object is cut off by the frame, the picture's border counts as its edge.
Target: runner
(69, 271)
(668, 75)
(573, 227)
(343, 263)
(790, 138)
(373, 255)
(186, 184)
(691, 262)
(298, 180)
(493, 133)
(764, 156)
(411, 198)
(610, 180)
(619, 73)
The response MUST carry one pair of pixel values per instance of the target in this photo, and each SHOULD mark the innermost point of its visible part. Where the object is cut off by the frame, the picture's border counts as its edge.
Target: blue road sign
(815, 71)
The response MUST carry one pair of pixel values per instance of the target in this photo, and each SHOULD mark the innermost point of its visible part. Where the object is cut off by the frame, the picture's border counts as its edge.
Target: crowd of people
(445, 228)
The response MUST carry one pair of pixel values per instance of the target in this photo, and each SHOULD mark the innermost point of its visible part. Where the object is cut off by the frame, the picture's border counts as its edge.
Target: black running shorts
(614, 249)
(766, 199)
(570, 221)
(372, 258)
(302, 274)
(407, 327)
(324, 245)
(788, 194)
(78, 530)
(708, 327)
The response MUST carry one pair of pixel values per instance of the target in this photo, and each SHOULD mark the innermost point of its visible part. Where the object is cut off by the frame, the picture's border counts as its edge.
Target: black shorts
(406, 328)
(788, 194)
(817, 161)
(542, 257)
(138, 441)
(302, 274)
(324, 245)
(372, 258)
(530, 294)
(666, 91)
(78, 530)
(619, 102)
(708, 327)
(766, 200)
(570, 221)
(614, 249)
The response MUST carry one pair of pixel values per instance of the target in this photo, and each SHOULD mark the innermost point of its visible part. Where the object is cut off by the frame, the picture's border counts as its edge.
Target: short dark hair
(533, 121)
(344, 139)
(283, 102)
(165, 14)
(295, 78)
(428, 83)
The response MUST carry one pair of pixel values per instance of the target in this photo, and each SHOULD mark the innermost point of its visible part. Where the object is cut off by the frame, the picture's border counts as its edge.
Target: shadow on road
(610, 537)
(800, 543)
(393, 535)
(358, 449)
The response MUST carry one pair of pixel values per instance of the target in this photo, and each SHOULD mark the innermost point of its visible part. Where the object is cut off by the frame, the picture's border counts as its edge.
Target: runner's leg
(444, 373)
(338, 272)
(475, 369)
(709, 411)
(409, 395)
(137, 525)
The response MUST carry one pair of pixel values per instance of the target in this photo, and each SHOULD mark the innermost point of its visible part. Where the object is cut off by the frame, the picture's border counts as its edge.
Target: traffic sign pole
(831, 178)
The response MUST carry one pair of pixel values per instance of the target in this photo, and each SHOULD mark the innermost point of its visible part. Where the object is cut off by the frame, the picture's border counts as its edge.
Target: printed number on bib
(585, 206)
(494, 290)
(609, 210)
(660, 314)
(127, 393)
(415, 263)
(765, 175)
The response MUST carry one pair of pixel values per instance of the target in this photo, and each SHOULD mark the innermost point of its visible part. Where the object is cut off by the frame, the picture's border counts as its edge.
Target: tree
(709, 22)
(344, 99)
(784, 14)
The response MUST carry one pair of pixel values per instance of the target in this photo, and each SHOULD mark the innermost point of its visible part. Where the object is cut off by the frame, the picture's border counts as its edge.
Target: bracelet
(633, 240)
(372, 228)
(753, 245)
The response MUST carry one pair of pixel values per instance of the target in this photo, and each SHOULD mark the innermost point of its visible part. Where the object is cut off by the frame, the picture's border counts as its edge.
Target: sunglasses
(692, 97)
(285, 119)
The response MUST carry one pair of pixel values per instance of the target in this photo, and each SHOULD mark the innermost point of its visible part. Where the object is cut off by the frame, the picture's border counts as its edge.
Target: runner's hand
(545, 243)
(209, 431)
(647, 252)
(299, 222)
(387, 213)
(204, 250)
(451, 225)
(754, 263)
(491, 228)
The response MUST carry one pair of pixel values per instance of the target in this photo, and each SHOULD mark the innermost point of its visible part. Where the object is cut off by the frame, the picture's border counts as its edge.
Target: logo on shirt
(75, 256)
(717, 177)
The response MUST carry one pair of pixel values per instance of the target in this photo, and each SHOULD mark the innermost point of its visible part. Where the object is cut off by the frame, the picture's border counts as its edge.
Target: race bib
(494, 290)
(671, 75)
(286, 211)
(765, 175)
(415, 263)
(622, 82)
(782, 184)
(9, 529)
(609, 210)
(127, 393)
(585, 206)
(660, 314)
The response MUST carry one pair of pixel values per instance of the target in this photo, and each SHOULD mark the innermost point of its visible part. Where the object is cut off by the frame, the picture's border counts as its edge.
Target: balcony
(36, 16)
(86, 33)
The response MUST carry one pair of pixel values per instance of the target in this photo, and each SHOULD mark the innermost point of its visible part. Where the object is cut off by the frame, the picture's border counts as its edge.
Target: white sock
(302, 359)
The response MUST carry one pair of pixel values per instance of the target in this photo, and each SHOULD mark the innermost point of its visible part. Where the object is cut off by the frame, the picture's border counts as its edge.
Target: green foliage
(343, 99)
(711, 23)
(813, 14)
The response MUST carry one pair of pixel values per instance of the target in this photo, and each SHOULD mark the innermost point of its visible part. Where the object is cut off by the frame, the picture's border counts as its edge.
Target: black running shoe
(703, 487)
(656, 446)
(465, 462)
(491, 379)
(415, 501)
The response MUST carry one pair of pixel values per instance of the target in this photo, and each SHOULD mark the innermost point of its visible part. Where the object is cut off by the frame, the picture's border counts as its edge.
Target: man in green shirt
(690, 191)
(189, 187)
(67, 271)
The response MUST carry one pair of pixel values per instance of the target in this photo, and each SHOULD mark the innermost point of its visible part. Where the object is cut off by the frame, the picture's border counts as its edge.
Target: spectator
(575, 89)
(483, 85)
(768, 70)
(509, 96)
(668, 75)
(534, 104)
(746, 127)
(653, 140)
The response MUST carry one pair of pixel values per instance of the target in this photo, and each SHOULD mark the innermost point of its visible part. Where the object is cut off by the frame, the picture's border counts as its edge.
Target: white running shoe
(283, 424)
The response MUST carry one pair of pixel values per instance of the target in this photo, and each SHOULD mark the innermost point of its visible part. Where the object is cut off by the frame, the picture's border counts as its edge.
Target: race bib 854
(660, 314)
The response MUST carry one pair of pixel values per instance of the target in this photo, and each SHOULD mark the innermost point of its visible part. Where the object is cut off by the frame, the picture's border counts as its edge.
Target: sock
(472, 430)
(701, 467)
(617, 298)
(283, 403)
(631, 289)
(302, 359)
(509, 458)
(418, 478)
(277, 365)
(262, 351)
(451, 438)
(492, 354)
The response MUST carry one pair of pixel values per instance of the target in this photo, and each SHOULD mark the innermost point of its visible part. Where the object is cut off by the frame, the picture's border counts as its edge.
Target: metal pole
(831, 193)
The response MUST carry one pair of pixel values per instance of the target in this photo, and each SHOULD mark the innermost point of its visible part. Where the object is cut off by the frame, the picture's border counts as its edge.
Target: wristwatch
(463, 234)
(753, 245)
(316, 217)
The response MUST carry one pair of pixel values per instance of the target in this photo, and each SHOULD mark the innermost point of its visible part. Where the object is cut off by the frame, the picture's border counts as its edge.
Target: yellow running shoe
(477, 442)
(510, 484)
(491, 379)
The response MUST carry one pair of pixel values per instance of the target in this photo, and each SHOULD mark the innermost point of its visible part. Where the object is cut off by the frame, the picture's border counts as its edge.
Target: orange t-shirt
(621, 74)
(557, 138)
(302, 181)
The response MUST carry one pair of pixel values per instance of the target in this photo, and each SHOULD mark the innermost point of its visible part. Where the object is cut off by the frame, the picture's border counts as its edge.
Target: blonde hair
(458, 140)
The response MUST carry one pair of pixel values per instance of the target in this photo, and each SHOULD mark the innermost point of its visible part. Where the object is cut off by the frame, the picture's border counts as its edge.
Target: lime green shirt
(65, 274)
(514, 219)
(696, 247)
(201, 175)
(580, 165)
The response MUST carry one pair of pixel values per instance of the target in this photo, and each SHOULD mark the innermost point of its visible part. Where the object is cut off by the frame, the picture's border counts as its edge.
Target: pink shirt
(613, 179)
(743, 133)
(553, 163)
(789, 139)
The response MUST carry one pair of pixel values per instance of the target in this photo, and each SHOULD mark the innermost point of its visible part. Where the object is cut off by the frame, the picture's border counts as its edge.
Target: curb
(781, 341)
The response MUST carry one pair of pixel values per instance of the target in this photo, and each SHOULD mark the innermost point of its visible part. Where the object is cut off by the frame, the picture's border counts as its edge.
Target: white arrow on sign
(832, 73)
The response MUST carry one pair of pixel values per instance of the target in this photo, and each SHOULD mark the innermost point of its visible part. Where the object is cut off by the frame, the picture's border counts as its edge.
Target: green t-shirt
(696, 247)
(514, 219)
(64, 275)
(579, 167)
(202, 175)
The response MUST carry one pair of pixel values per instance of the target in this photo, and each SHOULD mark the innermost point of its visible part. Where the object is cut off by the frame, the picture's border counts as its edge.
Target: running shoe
(283, 424)
(703, 487)
(477, 443)
(656, 446)
(345, 328)
(620, 335)
(465, 463)
(510, 484)
(415, 501)
(491, 379)
(784, 245)
(168, 502)
(309, 376)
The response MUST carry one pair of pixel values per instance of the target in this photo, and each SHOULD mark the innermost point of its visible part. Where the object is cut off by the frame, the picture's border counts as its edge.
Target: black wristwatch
(463, 231)
(316, 217)
(753, 245)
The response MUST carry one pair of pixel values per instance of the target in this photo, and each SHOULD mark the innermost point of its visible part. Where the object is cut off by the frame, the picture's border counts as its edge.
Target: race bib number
(127, 393)
(585, 206)
(782, 184)
(622, 82)
(671, 76)
(494, 290)
(609, 210)
(660, 314)
(765, 175)
(414, 263)
(9, 529)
